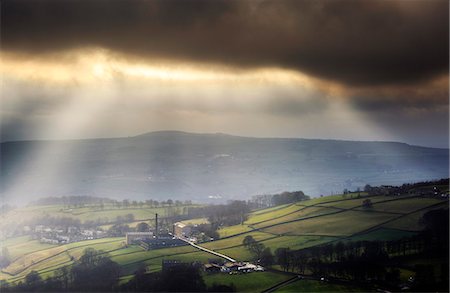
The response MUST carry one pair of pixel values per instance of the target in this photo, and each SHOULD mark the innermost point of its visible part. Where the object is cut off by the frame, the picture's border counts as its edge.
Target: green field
(254, 282)
(304, 212)
(317, 286)
(341, 224)
(405, 205)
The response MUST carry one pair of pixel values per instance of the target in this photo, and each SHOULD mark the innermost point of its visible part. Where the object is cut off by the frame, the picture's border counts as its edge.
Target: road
(206, 249)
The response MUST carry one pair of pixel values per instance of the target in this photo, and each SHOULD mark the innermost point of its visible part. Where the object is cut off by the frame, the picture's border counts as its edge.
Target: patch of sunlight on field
(233, 230)
(234, 241)
(252, 282)
(25, 261)
(27, 247)
(237, 253)
(296, 242)
(52, 256)
(306, 212)
(345, 223)
(405, 205)
(270, 214)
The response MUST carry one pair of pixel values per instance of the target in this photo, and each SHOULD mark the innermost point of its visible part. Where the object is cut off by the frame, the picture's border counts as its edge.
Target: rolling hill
(208, 167)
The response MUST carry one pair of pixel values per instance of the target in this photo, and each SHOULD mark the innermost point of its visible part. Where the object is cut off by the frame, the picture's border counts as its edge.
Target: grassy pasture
(49, 257)
(405, 205)
(325, 199)
(270, 214)
(341, 224)
(234, 241)
(412, 222)
(19, 246)
(306, 212)
(254, 282)
(296, 242)
(263, 211)
(317, 286)
(233, 230)
(352, 203)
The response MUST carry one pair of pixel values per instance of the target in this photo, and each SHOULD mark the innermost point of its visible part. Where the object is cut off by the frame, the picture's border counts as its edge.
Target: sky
(340, 69)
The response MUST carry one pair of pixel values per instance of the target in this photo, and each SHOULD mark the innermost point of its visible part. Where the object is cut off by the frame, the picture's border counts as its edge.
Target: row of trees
(101, 202)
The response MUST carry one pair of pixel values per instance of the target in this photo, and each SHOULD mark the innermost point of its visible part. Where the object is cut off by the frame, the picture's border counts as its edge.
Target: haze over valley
(208, 167)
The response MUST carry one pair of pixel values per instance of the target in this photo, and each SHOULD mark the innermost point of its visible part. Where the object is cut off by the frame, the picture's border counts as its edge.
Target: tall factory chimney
(156, 225)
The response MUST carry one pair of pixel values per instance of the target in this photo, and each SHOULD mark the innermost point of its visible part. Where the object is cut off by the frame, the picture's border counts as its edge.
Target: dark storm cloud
(352, 42)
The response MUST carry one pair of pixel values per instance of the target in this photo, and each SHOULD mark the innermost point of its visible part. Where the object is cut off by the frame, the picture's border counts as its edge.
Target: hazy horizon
(215, 133)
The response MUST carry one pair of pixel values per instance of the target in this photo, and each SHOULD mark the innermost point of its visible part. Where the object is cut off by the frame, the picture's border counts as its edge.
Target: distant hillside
(206, 167)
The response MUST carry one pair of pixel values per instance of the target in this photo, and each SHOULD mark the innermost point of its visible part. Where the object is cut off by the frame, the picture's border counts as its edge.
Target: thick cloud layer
(352, 42)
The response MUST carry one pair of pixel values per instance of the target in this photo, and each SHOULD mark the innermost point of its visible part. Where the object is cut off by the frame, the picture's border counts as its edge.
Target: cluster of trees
(268, 200)
(204, 232)
(93, 272)
(233, 213)
(288, 197)
(260, 254)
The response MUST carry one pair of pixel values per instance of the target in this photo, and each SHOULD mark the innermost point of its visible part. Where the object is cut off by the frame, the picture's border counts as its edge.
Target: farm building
(161, 241)
(134, 237)
(181, 230)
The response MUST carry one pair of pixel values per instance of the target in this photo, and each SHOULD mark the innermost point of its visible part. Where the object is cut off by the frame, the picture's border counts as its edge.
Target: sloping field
(341, 224)
(233, 230)
(412, 222)
(49, 257)
(236, 240)
(271, 213)
(404, 205)
(356, 202)
(19, 246)
(304, 212)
